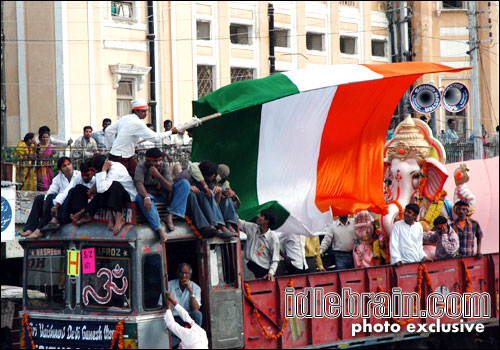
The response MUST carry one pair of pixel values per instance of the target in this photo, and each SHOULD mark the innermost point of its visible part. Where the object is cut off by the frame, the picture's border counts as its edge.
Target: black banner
(55, 334)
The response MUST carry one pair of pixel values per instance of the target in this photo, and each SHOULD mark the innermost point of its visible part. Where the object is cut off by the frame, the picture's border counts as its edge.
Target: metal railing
(36, 169)
(462, 151)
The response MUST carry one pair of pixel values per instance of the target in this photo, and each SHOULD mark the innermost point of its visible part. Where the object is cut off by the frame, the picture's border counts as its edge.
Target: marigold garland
(422, 183)
(400, 208)
(257, 313)
(195, 230)
(25, 323)
(118, 333)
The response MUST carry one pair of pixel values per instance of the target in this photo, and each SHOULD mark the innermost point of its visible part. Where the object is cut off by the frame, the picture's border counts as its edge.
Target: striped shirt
(466, 235)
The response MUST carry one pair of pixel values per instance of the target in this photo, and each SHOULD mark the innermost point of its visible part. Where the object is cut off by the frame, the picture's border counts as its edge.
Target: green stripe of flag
(244, 94)
(233, 138)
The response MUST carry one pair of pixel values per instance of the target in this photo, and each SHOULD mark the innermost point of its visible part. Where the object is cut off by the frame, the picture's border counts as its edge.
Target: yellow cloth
(312, 250)
(25, 170)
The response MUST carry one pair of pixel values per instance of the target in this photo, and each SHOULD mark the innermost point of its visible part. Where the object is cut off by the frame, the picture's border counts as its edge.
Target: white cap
(139, 104)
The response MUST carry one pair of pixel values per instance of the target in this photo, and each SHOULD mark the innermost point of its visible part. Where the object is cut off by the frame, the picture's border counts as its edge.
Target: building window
(378, 48)
(314, 41)
(281, 37)
(240, 34)
(205, 80)
(202, 30)
(240, 74)
(450, 5)
(349, 3)
(122, 9)
(348, 45)
(124, 97)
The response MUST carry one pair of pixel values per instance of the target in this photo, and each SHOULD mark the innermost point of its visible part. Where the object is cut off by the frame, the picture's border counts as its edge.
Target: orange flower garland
(421, 184)
(400, 208)
(257, 313)
(118, 333)
(195, 230)
(25, 323)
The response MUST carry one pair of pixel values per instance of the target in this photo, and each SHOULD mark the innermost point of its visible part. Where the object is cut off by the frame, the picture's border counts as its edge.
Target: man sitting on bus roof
(202, 207)
(115, 188)
(187, 293)
(153, 181)
(42, 208)
(263, 246)
(191, 335)
(74, 198)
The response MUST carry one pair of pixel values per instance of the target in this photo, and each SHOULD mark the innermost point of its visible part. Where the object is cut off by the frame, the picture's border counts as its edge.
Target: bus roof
(98, 231)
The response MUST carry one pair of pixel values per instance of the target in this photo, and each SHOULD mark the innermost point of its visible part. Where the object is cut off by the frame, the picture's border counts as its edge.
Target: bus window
(109, 286)
(222, 260)
(152, 282)
(46, 277)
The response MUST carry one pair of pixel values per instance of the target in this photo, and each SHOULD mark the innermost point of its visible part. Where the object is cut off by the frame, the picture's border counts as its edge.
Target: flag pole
(210, 117)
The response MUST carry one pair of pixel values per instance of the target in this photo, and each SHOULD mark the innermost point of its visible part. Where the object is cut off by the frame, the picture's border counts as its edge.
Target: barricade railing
(35, 168)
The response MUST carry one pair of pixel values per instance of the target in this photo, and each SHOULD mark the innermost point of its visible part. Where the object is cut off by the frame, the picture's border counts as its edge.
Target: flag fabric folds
(308, 143)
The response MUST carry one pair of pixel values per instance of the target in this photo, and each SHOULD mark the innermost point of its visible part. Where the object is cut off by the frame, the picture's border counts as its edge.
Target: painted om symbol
(109, 286)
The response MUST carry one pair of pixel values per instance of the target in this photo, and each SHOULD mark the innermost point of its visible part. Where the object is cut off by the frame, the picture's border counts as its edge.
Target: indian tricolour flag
(307, 143)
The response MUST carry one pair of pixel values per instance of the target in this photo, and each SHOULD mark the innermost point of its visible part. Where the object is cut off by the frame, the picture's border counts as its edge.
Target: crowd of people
(203, 193)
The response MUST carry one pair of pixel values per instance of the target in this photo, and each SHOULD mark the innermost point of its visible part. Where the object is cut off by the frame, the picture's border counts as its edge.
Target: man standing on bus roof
(466, 228)
(153, 181)
(263, 246)
(128, 131)
(407, 238)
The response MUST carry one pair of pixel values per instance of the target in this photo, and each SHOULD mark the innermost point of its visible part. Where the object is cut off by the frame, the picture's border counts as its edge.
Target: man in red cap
(128, 131)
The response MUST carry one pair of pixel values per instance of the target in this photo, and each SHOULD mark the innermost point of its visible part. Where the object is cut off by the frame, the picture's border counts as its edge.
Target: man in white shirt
(128, 131)
(294, 253)
(114, 187)
(263, 247)
(41, 210)
(191, 335)
(407, 238)
(341, 236)
(74, 198)
(188, 295)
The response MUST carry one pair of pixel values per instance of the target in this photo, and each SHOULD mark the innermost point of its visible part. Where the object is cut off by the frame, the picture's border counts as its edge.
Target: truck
(99, 290)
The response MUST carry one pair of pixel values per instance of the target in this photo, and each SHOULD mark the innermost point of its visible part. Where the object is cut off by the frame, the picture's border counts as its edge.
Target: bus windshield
(109, 286)
(45, 277)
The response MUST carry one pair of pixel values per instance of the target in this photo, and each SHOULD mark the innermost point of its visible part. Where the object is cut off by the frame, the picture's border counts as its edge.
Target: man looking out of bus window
(467, 229)
(407, 238)
(263, 246)
(188, 295)
(153, 181)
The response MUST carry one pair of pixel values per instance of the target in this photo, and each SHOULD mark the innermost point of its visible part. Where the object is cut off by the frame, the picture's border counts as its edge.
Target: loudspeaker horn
(455, 97)
(425, 98)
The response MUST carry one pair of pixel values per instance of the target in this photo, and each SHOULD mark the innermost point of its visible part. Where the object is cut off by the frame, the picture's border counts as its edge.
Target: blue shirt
(183, 297)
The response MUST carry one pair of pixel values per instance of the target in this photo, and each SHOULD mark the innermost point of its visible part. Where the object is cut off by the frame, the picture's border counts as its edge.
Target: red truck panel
(298, 330)
(478, 272)
(356, 281)
(406, 279)
(494, 284)
(378, 276)
(325, 330)
(445, 277)
(265, 297)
